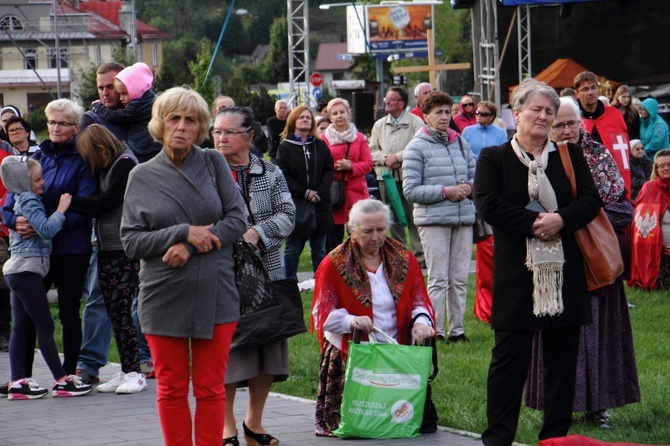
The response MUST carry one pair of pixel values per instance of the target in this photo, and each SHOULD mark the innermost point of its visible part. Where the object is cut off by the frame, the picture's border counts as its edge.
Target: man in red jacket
(605, 123)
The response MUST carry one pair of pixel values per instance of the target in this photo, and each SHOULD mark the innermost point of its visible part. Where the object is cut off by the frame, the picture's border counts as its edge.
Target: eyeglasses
(227, 133)
(560, 126)
(468, 104)
(587, 89)
(483, 114)
(15, 130)
(59, 124)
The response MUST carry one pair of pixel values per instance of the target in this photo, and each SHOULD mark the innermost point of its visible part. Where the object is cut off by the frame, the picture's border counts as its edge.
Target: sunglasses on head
(483, 114)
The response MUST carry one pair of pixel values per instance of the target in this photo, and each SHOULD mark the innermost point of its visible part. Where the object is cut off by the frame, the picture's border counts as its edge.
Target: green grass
(459, 391)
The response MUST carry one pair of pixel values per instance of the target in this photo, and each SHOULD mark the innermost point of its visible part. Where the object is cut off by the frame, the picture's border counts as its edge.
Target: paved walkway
(110, 419)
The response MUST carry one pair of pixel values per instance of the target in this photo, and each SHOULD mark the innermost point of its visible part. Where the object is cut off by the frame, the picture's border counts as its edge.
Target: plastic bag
(384, 390)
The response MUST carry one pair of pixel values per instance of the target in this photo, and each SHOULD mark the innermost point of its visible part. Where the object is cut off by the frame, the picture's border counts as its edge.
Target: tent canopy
(561, 74)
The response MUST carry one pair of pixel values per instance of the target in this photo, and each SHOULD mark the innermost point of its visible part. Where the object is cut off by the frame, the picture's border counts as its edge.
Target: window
(10, 22)
(64, 59)
(40, 100)
(30, 58)
(154, 54)
(97, 58)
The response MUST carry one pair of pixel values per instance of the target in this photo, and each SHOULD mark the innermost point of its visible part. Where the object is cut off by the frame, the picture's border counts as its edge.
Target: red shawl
(646, 234)
(342, 282)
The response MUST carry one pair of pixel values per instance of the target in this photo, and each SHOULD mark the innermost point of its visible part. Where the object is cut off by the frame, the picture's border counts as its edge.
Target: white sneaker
(113, 384)
(134, 383)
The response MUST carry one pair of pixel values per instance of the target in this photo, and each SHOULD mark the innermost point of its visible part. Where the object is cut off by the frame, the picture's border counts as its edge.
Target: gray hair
(73, 111)
(280, 101)
(528, 88)
(568, 101)
(419, 86)
(367, 207)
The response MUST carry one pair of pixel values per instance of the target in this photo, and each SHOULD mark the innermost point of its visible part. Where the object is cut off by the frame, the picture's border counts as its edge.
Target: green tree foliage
(198, 69)
(275, 66)
(175, 70)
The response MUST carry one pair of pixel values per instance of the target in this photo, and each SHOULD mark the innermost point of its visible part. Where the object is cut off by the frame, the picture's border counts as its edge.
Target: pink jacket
(361, 164)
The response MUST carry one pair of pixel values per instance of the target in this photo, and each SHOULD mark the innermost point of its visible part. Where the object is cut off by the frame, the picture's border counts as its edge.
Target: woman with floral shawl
(368, 279)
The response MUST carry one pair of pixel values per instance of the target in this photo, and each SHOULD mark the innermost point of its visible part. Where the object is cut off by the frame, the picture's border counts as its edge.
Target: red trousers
(484, 280)
(173, 358)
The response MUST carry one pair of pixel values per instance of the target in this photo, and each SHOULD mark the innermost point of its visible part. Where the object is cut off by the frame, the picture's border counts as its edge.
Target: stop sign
(316, 79)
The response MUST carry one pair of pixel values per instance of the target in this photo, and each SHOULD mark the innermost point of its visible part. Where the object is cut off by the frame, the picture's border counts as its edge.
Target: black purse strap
(346, 157)
(426, 343)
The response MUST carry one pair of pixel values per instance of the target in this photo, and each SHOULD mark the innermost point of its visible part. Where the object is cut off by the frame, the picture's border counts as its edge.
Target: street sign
(316, 92)
(316, 79)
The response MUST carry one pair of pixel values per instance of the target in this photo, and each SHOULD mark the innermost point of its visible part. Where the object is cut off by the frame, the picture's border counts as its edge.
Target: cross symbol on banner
(622, 147)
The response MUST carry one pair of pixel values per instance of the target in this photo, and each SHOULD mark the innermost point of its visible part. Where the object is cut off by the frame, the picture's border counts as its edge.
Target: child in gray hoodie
(24, 271)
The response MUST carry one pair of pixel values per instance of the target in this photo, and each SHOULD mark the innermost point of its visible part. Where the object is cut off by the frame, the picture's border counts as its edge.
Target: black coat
(501, 194)
(293, 162)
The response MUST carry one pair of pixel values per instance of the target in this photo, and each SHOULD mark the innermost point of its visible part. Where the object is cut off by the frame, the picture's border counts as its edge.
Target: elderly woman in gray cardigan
(181, 216)
(438, 170)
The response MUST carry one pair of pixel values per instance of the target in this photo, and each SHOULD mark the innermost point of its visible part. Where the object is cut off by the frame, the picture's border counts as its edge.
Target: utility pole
(58, 64)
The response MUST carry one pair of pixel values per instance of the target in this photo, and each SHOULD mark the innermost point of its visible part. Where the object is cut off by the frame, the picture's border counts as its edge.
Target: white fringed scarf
(544, 258)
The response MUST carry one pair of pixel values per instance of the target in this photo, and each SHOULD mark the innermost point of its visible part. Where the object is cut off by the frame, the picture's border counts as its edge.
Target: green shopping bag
(394, 196)
(384, 390)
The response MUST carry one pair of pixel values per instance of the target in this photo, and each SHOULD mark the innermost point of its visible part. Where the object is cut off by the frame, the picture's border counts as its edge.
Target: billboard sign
(541, 2)
(356, 30)
(400, 27)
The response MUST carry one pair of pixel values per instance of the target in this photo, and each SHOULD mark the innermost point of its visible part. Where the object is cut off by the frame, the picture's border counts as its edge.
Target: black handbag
(305, 217)
(480, 230)
(251, 278)
(280, 319)
(338, 190)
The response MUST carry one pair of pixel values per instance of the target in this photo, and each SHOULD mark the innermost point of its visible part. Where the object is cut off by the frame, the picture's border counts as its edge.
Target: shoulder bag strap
(567, 166)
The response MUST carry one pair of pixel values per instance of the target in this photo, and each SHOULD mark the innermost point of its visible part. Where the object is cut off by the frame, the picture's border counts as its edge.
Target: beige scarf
(543, 257)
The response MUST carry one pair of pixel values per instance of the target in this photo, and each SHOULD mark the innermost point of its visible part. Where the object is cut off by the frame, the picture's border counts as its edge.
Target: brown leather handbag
(597, 240)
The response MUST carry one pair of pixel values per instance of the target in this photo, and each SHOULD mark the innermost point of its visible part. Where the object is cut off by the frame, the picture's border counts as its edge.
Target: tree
(199, 69)
(275, 65)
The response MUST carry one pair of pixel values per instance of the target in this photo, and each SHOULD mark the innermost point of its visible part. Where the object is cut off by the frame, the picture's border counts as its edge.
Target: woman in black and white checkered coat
(270, 218)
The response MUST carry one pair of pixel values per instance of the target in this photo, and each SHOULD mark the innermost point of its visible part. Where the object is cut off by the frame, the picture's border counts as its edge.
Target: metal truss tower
(523, 28)
(298, 47)
(485, 54)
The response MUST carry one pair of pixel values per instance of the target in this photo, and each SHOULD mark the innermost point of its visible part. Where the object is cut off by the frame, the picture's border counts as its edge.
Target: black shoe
(231, 441)
(4, 388)
(26, 389)
(459, 338)
(260, 439)
(71, 386)
(601, 419)
(440, 338)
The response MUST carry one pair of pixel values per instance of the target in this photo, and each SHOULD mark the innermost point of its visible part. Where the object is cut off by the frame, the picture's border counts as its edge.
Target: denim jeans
(293, 248)
(145, 352)
(97, 328)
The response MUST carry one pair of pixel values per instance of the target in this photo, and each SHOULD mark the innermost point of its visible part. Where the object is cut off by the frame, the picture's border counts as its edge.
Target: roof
(327, 57)
(109, 10)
